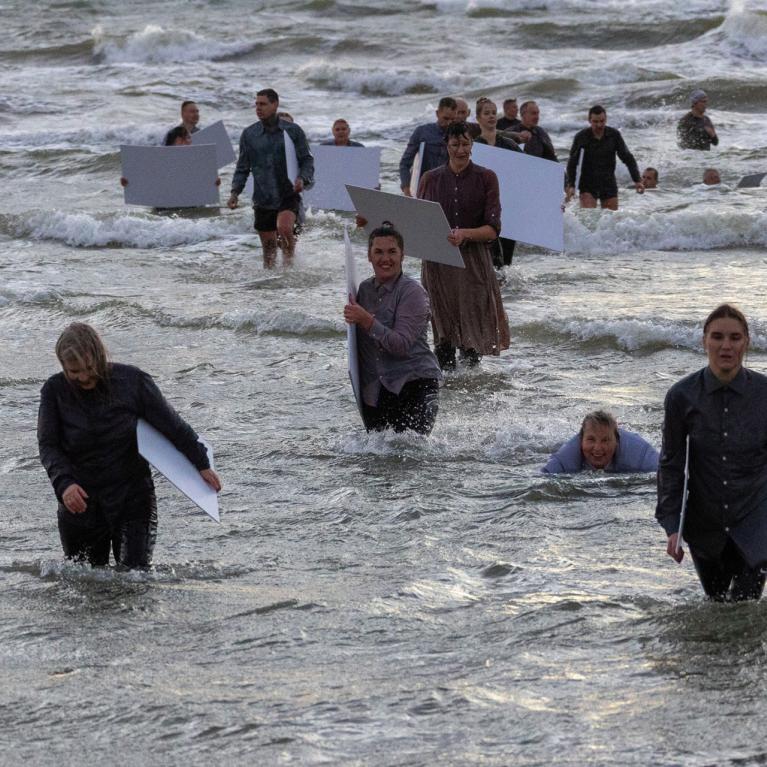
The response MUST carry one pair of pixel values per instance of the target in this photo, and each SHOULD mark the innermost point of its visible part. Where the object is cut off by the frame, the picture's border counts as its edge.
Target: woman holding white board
(86, 432)
(723, 410)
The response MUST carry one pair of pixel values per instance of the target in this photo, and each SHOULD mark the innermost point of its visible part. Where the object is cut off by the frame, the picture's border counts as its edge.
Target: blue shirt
(634, 453)
(262, 153)
(434, 151)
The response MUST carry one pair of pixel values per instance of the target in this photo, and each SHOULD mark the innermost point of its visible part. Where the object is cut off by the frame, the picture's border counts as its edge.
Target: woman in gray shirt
(399, 373)
(723, 410)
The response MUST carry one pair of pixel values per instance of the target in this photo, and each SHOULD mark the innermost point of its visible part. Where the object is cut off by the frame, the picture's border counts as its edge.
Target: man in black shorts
(276, 197)
(599, 145)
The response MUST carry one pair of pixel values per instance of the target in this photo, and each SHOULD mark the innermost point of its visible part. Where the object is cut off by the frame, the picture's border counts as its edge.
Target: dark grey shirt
(394, 350)
(691, 132)
(727, 424)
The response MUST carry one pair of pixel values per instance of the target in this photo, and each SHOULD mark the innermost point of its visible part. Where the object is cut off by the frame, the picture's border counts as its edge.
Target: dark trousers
(415, 407)
(502, 251)
(131, 537)
(445, 354)
(729, 578)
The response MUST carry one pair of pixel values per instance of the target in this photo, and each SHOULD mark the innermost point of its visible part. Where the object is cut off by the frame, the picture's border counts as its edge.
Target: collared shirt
(539, 143)
(599, 158)
(691, 132)
(395, 349)
(727, 424)
(262, 154)
(434, 151)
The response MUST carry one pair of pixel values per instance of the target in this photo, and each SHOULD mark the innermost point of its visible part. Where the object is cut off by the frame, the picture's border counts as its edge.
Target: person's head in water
(190, 114)
(446, 110)
(341, 132)
(462, 111)
(650, 178)
(597, 120)
(599, 439)
(487, 113)
(711, 177)
(178, 136)
(385, 252)
(510, 109)
(82, 355)
(725, 341)
(267, 104)
(530, 114)
(698, 102)
(459, 142)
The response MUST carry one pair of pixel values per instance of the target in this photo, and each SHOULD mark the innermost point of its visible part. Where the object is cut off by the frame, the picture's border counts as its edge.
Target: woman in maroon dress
(467, 310)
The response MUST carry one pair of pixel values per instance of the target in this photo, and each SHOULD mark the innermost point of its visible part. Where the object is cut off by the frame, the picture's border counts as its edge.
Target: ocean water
(374, 599)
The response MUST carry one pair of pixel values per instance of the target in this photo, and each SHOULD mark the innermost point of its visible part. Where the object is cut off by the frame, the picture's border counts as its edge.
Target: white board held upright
(216, 134)
(351, 329)
(176, 467)
(337, 166)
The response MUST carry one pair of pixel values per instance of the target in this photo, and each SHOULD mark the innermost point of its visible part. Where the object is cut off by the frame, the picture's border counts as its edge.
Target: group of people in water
(714, 430)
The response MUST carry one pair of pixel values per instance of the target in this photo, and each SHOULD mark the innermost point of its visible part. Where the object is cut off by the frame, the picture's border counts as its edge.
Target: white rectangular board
(170, 176)
(216, 134)
(351, 328)
(415, 171)
(177, 468)
(336, 166)
(532, 192)
(291, 159)
(422, 223)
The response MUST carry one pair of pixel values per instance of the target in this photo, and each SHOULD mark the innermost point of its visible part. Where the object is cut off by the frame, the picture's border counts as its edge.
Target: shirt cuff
(670, 524)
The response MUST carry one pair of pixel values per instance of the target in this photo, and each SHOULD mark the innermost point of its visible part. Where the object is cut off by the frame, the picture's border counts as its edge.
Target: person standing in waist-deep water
(86, 432)
(487, 117)
(600, 145)
(432, 135)
(399, 373)
(466, 304)
(695, 130)
(723, 410)
(276, 198)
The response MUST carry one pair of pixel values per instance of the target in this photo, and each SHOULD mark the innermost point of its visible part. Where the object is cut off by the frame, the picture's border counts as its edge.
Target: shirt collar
(387, 286)
(712, 383)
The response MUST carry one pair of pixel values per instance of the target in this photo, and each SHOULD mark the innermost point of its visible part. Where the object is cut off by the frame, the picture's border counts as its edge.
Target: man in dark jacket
(594, 149)
(536, 140)
(695, 130)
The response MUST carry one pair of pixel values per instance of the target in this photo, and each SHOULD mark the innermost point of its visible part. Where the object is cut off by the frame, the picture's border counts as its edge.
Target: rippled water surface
(381, 600)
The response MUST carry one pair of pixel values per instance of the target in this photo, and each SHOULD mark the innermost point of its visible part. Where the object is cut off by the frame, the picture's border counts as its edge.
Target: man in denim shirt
(276, 198)
(432, 135)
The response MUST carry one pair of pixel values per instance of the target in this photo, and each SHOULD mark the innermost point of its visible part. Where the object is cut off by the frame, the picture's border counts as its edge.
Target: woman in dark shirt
(86, 431)
(399, 374)
(723, 410)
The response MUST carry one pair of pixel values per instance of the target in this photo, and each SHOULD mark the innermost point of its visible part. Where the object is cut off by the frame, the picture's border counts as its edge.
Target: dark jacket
(691, 132)
(599, 158)
(89, 437)
(539, 144)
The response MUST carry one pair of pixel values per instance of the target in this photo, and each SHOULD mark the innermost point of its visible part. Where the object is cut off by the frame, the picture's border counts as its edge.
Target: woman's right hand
(677, 556)
(74, 498)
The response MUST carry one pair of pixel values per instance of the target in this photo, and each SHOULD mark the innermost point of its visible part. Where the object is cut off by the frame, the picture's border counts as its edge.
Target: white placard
(415, 171)
(216, 134)
(422, 223)
(170, 176)
(351, 328)
(177, 468)
(336, 166)
(532, 191)
(291, 160)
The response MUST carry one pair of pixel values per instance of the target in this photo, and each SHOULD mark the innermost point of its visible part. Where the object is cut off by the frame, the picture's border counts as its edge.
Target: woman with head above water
(86, 431)
(723, 410)
(399, 373)
(602, 445)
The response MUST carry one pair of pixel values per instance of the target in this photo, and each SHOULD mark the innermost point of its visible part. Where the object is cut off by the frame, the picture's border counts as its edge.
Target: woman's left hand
(212, 479)
(354, 314)
(457, 237)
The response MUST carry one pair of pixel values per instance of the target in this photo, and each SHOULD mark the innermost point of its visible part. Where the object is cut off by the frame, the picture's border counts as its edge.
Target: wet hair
(600, 418)
(386, 230)
(525, 106)
(724, 311)
(271, 94)
(648, 169)
(81, 344)
(482, 102)
(447, 102)
(340, 120)
(185, 104)
(178, 132)
(457, 130)
(506, 102)
(597, 110)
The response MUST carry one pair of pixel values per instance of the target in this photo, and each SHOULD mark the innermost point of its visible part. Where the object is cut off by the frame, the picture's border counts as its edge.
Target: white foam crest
(746, 30)
(156, 45)
(83, 230)
(392, 81)
(692, 229)
(633, 334)
(27, 295)
(471, 6)
(285, 321)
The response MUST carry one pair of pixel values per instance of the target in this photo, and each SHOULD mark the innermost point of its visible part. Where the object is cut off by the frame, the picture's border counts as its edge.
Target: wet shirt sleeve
(49, 439)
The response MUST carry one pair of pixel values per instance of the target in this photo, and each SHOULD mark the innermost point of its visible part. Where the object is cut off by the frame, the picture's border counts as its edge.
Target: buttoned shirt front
(432, 136)
(727, 424)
